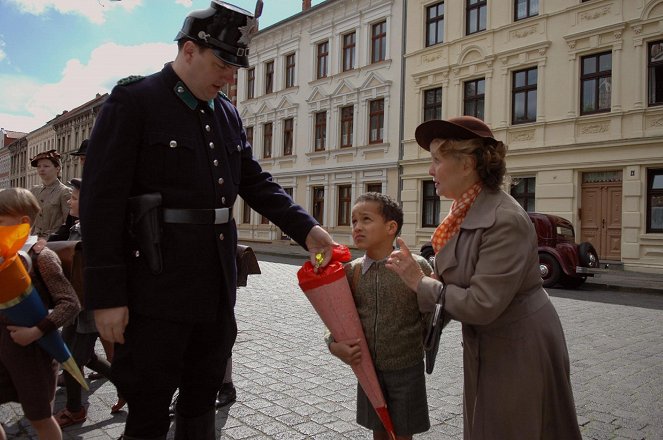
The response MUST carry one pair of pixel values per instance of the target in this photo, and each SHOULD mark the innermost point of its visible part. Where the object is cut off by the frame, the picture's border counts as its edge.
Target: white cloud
(185, 3)
(93, 10)
(3, 54)
(26, 105)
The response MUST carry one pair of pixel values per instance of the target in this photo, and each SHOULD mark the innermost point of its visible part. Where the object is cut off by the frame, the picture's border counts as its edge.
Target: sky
(58, 54)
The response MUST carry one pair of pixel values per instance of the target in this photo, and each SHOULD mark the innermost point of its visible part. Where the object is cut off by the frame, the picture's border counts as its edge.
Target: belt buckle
(221, 216)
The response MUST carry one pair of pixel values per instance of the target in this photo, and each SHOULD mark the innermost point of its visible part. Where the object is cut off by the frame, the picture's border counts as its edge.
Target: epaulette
(224, 96)
(129, 80)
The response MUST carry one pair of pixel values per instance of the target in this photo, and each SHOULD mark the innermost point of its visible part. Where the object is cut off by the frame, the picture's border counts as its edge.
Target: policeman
(173, 137)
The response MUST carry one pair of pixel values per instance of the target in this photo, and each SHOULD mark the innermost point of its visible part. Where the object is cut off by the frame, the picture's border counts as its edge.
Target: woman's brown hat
(462, 127)
(51, 155)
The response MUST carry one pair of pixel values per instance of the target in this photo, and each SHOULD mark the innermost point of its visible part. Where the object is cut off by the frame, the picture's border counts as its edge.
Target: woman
(516, 364)
(52, 194)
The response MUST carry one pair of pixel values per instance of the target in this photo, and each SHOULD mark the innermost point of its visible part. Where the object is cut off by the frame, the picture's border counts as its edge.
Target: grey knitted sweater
(389, 315)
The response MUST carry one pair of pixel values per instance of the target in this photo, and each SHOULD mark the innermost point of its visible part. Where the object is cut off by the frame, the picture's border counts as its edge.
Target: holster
(145, 228)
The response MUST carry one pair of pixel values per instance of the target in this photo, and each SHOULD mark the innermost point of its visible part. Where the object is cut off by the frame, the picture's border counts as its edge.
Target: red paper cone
(329, 293)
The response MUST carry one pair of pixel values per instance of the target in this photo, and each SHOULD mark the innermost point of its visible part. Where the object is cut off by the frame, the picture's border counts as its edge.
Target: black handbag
(437, 322)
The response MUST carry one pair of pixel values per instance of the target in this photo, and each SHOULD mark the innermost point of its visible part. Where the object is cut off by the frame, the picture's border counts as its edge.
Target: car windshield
(565, 232)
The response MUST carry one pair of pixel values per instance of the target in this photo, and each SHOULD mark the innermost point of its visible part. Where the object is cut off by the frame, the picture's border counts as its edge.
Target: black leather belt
(217, 216)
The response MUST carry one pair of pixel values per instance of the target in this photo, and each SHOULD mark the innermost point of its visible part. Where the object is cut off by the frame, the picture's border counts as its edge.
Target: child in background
(81, 337)
(28, 373)
(391, 320)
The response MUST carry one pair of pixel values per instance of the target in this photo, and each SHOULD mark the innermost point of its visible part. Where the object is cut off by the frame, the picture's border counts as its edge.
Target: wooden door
(601, 214)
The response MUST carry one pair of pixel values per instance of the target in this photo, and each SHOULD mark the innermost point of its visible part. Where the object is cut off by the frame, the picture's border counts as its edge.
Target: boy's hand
(111, 323)
(24, 335)
(347, 351)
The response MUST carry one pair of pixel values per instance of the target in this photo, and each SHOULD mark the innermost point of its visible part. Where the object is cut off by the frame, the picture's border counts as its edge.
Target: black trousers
(160, 356)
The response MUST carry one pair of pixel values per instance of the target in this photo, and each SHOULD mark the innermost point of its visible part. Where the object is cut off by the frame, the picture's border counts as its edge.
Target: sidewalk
(612, 279)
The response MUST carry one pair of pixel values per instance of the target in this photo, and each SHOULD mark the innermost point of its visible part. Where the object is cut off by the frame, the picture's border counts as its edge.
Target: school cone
(329, 293)
(20, 302)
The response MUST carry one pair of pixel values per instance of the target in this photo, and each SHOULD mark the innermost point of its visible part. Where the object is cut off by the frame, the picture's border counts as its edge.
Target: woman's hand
(24, 335)
(347, 351)
(405, 266)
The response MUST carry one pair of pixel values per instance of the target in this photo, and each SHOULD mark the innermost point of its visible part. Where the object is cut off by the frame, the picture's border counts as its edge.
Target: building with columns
(321, 103)
(575, 88)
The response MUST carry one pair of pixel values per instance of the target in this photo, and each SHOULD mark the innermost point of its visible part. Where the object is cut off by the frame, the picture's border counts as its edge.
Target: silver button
(137, 254)
(221, 182)
(223, 200)
(216, 163)
(211, 145)
(202, 111)
(239, 148)
(208, 128)
(173, 144)
(221, 237)
(180, 89)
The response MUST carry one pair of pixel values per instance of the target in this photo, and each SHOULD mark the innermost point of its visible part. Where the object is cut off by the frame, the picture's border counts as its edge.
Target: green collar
(187, 97)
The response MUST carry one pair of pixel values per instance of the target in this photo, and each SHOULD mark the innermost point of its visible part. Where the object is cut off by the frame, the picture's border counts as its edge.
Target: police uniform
(154, 136)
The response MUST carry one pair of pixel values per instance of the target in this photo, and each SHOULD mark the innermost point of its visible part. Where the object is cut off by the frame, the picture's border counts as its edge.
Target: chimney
(306, 5)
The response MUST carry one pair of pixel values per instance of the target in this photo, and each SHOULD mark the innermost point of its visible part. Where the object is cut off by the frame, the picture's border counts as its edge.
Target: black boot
(196, 428)
(126, 437)
(227, 394)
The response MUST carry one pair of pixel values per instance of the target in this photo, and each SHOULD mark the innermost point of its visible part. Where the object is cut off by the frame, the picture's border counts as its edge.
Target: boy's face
(369, 228)
(12, 220)
(73, 202)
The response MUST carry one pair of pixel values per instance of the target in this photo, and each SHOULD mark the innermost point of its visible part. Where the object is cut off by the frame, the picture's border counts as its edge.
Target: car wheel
(428, 253)
(550, 270)
(587, 255)
(572, 282)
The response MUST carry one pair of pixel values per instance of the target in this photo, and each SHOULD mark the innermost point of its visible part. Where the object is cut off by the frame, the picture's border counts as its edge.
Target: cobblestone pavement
(290, 387)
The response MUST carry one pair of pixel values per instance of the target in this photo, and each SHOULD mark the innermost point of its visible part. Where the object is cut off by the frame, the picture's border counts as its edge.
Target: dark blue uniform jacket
(153, 135)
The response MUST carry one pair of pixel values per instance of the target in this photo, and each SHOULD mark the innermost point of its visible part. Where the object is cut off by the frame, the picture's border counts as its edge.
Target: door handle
(603, 223)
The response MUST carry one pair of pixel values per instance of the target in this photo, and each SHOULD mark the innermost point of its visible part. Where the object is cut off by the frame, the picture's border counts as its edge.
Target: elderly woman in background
(52, 194)
(515, 360)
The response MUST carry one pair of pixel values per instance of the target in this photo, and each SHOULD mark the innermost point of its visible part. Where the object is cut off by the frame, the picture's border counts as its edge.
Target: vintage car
(561, 259)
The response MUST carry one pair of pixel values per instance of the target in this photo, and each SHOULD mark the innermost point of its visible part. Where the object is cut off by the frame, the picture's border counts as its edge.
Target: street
(290, 387)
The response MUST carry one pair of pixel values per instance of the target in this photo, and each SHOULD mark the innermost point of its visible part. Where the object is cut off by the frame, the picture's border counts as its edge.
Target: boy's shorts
(27, 376)
(405, 393)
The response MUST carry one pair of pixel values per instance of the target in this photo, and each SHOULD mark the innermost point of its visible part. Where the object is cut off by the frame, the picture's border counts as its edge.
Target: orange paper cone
(329, 293)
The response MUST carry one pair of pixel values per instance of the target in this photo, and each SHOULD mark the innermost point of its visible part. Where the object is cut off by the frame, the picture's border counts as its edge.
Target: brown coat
(516, 364)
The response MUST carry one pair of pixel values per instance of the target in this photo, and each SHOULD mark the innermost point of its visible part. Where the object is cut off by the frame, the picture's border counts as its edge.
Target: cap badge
(203, 36)
(248, 31)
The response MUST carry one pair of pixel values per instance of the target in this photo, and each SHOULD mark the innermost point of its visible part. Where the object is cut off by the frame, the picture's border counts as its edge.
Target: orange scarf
(451, 223)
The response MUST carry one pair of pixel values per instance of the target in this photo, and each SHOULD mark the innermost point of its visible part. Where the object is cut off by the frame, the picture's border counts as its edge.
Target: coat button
(216, 163)
(208, 128)
(173, 144)
(202, 111)
(221, 181)
(211, 145)
(180, 89)
(223, 200)
(221, 237)
(239, 148)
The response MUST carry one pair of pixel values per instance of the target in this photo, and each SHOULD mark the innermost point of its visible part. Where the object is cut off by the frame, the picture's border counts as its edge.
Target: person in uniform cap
(81, 152)
(53, 195)
(166, 297)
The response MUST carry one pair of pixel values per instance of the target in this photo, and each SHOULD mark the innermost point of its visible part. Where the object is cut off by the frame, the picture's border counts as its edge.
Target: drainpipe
(401, 146)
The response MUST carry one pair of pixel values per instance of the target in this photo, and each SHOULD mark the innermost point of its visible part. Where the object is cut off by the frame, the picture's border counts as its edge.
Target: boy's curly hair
(17, 202)
(389, 208)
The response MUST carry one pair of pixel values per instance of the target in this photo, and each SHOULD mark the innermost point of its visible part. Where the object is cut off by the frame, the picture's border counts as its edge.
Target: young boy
(391, 320)
(81, 337)
(27, 373)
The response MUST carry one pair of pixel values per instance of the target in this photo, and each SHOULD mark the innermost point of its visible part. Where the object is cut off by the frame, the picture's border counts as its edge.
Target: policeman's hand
(347, 351)
(111, 323)
(402, 262)
(319, 244)
(24, 335)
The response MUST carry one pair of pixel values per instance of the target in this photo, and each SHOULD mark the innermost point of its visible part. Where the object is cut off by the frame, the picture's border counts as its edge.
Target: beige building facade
(321, 103)
(575, 88)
